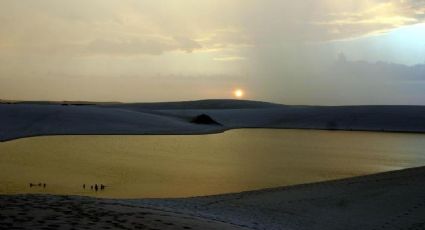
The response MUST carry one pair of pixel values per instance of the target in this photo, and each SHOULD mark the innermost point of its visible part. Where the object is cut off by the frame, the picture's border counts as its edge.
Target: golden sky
(156, 50)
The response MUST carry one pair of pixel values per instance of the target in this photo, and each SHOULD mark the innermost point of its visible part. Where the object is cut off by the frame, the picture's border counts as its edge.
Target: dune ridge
(24, 119)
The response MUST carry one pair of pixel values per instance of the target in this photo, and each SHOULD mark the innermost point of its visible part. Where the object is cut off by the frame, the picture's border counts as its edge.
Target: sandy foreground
(392, 200)
(61, 212)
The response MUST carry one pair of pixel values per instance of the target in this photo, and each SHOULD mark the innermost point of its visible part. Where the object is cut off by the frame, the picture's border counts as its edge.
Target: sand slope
(34, 119)
(61, 212)
(394, 200)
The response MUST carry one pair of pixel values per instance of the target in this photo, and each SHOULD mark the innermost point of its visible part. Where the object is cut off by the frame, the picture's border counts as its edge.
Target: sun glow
(238, 93)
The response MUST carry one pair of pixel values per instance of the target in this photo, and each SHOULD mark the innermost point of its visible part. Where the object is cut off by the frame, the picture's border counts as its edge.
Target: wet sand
(392, 200)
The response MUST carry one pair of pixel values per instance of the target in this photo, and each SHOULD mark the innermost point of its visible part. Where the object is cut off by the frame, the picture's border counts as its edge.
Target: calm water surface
(180, 166)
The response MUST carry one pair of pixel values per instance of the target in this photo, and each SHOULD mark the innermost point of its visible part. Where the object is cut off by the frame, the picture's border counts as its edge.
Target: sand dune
(393, 200)
(34, 119)
(61, 212)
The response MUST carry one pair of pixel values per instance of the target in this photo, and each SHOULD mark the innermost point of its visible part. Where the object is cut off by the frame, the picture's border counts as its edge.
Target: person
(31, 185)
(95, 187)
(84, 186)
(44, 185)
(91, 187)
(102, 186)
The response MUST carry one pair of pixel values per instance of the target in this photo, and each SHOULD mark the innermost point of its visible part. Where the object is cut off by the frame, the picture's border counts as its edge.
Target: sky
(321, 52)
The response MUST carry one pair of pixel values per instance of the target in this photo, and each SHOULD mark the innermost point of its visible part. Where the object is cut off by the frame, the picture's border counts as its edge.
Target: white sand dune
(19, 120)
(393, 200)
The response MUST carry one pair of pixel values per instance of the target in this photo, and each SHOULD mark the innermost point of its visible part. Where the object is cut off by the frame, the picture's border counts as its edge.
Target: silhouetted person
(84, 186)
(91, 187)
(44, 185)
(102, 186)
(95, 187)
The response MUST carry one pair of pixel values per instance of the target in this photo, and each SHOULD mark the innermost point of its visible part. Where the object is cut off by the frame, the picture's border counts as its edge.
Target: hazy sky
(160, 50)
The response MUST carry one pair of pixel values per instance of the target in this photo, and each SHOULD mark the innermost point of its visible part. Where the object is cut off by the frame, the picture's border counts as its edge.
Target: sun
(238, 93)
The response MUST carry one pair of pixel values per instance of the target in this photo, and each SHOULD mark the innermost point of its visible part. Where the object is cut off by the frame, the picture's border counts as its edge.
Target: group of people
(95, 187)
(38, 185)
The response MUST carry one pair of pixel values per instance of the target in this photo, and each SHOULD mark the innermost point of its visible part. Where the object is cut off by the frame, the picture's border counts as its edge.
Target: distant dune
(24, 119)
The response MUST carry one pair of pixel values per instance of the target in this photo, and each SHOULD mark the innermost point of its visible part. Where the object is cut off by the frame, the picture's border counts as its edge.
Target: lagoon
(158, 166)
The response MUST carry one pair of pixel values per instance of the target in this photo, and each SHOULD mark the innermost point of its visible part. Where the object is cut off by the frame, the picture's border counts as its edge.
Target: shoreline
(213, 132)
(387, 200)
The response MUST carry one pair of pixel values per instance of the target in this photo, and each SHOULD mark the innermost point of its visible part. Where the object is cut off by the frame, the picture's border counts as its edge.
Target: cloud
(196, 25)
(279, 45)
(187, 44)
(229, 58)
(378, 70)
(373, 18)
(151, 46)
(277, 21)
